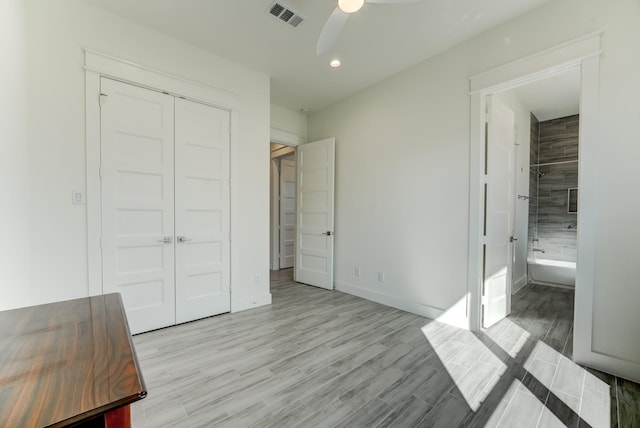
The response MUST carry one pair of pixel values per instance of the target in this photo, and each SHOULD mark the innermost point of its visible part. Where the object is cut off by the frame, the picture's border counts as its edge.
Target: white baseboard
(250, 302)
(455, 316)
(519, 284)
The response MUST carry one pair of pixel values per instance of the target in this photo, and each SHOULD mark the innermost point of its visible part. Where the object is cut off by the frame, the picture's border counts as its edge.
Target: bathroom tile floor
(316, 358)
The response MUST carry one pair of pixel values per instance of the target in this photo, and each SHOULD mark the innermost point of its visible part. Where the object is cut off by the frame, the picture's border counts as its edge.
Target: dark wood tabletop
(66, 362)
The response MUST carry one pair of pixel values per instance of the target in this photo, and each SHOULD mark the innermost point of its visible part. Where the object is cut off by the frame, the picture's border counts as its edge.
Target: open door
(315, 199)
(287, 211)
(499, 211)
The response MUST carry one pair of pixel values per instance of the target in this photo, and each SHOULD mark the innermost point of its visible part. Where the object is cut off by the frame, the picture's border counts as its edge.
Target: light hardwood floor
(316, 358)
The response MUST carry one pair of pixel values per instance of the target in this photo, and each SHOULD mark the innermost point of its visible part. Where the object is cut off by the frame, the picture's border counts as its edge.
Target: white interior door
(287, 212)
(202, 210)
(499, 211)
(315, 199)
(137, 131)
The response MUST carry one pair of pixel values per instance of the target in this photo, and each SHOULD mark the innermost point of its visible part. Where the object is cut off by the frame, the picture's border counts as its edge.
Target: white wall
(57, 252)
(523, 141)
(403, 160)
(14, 169)
(283, 119)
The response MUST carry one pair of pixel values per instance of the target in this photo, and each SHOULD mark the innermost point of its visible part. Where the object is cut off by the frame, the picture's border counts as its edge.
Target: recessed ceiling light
(335, 63)
(350, 6)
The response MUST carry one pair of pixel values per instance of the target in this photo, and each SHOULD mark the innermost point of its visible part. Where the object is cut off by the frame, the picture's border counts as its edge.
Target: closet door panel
(137, 133)
(202, 210)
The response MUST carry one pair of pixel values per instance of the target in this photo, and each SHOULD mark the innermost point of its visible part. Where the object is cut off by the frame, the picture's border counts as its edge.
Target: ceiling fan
(338, 19)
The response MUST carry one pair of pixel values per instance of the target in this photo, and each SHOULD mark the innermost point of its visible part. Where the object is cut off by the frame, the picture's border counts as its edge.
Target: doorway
(582, 55)
(530, 234)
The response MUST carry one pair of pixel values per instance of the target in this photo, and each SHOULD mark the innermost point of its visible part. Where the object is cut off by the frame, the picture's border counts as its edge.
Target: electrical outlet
(356, 272)
(257, 279)
(77, 197)
(381, 276)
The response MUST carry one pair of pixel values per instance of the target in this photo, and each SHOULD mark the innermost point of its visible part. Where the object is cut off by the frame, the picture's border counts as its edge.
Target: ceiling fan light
(350, 6)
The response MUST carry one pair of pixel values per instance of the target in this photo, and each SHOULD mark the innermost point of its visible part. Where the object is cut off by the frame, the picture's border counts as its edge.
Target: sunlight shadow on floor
(550, 391)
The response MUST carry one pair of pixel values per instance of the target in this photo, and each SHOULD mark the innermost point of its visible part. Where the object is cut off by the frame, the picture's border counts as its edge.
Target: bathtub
(552, 272)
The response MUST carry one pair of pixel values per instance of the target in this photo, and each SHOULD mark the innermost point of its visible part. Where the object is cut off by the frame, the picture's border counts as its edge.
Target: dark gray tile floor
(316, 358)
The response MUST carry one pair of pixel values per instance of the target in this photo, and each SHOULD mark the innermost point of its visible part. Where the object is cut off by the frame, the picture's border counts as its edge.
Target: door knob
(512, 239)
(328, 233)
(166, 240)
(182, 239)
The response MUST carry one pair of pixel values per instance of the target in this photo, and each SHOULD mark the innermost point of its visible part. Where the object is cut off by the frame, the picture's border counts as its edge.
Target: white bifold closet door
(202, 211)
(165, 205)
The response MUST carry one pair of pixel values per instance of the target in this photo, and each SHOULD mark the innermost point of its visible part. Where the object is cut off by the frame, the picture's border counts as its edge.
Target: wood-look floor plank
(316, 358)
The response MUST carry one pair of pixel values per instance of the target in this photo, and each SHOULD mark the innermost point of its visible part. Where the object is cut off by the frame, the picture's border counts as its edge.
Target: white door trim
(101, 65)
(582, 53)
(288, 138)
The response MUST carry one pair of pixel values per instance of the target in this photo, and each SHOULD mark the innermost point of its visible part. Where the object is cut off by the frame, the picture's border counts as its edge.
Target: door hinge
(103, 99)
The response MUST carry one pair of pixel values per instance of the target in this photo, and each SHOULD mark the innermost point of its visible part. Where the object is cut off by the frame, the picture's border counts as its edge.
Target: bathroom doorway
(540, 234)
(579, 54)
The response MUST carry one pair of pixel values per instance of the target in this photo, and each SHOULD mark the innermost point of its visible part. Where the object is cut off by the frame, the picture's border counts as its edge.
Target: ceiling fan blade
(391, 1)
(331, 30)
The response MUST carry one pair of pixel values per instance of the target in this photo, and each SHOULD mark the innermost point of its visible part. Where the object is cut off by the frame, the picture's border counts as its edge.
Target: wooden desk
(66, 363)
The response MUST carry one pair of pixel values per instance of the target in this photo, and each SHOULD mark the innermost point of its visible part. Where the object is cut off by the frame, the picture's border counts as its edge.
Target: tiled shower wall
(554, 169)
(533, 180)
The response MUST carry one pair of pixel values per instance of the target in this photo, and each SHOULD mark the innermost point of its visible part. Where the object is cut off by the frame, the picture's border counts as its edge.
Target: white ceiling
(553, 97)
(377, 42)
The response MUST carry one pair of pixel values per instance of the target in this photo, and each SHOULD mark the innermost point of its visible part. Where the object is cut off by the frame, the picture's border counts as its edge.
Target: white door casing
(315, 200)
(137, 189)
(201, 210)
(499, 211)
(287, 212)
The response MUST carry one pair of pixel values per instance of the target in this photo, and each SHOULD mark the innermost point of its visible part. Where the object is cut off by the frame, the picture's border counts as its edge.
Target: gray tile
(388, 356)
(543, 371)
(564, 407)
(406, 414)
(449, 412)
(487, 415)
(596, 402)
(415, 381)
(367, 390)
(291, 415)
(367, 415)
(549, 420)
(523, 410)
(336, 387)
(569, 378)
(628, 394)
(328, 416)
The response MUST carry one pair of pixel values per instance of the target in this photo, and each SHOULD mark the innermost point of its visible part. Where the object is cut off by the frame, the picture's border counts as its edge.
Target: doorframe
(582, 53)
(98, 65)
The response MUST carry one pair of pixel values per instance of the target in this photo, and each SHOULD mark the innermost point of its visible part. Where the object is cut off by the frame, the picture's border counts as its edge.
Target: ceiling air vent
(285, 14)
